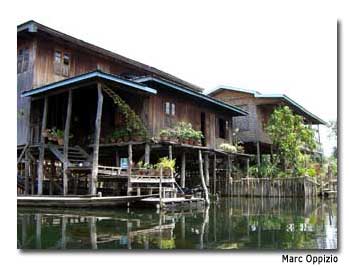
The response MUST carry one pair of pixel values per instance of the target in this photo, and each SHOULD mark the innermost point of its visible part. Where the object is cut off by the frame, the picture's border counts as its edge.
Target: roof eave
(195, 94)
(86, 77)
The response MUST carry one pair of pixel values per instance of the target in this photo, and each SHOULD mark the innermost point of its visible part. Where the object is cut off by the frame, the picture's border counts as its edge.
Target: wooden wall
(81, 61)
(24, 82)
(151, 109)
(187, 110)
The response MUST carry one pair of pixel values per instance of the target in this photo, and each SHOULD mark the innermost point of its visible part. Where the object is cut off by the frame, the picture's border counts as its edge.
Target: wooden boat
(78, 201)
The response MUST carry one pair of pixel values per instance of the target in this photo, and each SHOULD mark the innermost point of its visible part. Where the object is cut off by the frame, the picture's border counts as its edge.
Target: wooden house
(79, 88)
(251, 128)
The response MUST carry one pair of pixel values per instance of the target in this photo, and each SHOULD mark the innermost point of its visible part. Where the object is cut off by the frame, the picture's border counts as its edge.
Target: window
(170, 109)
(222, 128)
(61, 63)
(167, 108)
(22, 60)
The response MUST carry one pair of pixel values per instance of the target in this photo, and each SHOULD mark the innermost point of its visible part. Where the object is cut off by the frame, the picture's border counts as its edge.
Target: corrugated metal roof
(97, 74)
(283, 97)
(198, 95)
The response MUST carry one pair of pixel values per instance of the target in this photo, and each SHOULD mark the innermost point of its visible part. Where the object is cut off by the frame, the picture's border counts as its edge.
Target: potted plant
(167, 166)
(164, 134)
(58, 135)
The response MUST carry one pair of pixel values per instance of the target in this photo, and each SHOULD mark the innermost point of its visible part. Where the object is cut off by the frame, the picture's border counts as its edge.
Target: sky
(278, 48)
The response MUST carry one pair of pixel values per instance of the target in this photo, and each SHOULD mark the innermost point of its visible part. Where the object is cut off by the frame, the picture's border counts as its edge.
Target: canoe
(77, 201)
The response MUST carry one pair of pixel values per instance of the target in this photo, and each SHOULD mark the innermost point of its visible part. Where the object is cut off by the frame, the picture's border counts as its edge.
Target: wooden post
(27, 173)
(147, 153)
(63, 232)
(258, 154)
(66, 143)
(206, 164)
(202, 177)
(160, 188)
(52, 173)
(183, 170)
(170, 152)
(247, 167)
(40, 171)
(93, 232)
(214, 173)
(130, 165)
(96, 144)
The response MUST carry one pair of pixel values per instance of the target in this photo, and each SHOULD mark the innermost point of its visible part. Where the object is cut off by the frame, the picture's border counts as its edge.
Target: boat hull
(77, 202)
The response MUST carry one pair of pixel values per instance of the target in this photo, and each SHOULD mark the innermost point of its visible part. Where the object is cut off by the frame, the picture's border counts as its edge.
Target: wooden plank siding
(43, 71)
(252, 130)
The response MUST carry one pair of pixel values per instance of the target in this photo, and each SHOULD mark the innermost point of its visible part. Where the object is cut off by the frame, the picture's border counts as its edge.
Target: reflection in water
(231, 223)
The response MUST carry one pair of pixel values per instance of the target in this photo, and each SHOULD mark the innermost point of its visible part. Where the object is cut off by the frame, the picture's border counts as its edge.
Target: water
(237, 223)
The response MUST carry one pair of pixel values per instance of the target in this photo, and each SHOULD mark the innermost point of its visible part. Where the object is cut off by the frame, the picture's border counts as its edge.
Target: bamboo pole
(93, 180)
(202, 177)
(40, 169)
(183, 170)
(66, 143)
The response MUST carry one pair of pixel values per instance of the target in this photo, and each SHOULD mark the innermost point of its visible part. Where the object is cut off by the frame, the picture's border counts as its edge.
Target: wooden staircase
(77, 156)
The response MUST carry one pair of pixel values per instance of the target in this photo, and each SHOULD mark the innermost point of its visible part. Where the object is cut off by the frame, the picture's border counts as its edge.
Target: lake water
(230, 223)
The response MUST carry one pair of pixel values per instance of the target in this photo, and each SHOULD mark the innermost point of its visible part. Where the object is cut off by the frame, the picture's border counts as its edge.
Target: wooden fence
(278, 187)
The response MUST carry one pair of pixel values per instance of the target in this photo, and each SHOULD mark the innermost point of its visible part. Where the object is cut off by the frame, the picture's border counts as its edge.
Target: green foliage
(290, 136)
(134, 125)
(164, 162)
(228, 148)
(183, 131)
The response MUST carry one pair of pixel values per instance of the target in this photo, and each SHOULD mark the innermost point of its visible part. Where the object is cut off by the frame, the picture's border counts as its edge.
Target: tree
(333, 134)
(290, 137)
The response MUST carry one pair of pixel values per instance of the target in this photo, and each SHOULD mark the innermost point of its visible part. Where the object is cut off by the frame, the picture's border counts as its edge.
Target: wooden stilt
(170, 152)
(130, 165)
(229, 176)
(42, 148)
(202, 178)
(214, 173)
(258, 154)
(66, 143)
(247, 167)
(183, 170)
(206, 165)
(147, 153)
(93, 181)
(93, 232)
(27, 173)
(52, 174)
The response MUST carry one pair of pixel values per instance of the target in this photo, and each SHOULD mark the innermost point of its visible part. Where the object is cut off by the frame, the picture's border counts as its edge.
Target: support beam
(27, 173)
(170, 152)
(130, 165)
(52, 174)
(93, 181)
(66, 143)
(147, 153)
(202, 177)
(40, 172)
(247, 167)
(183, 170)
(258, 154)
(229, 176)
(206, 166)
(214, 173)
